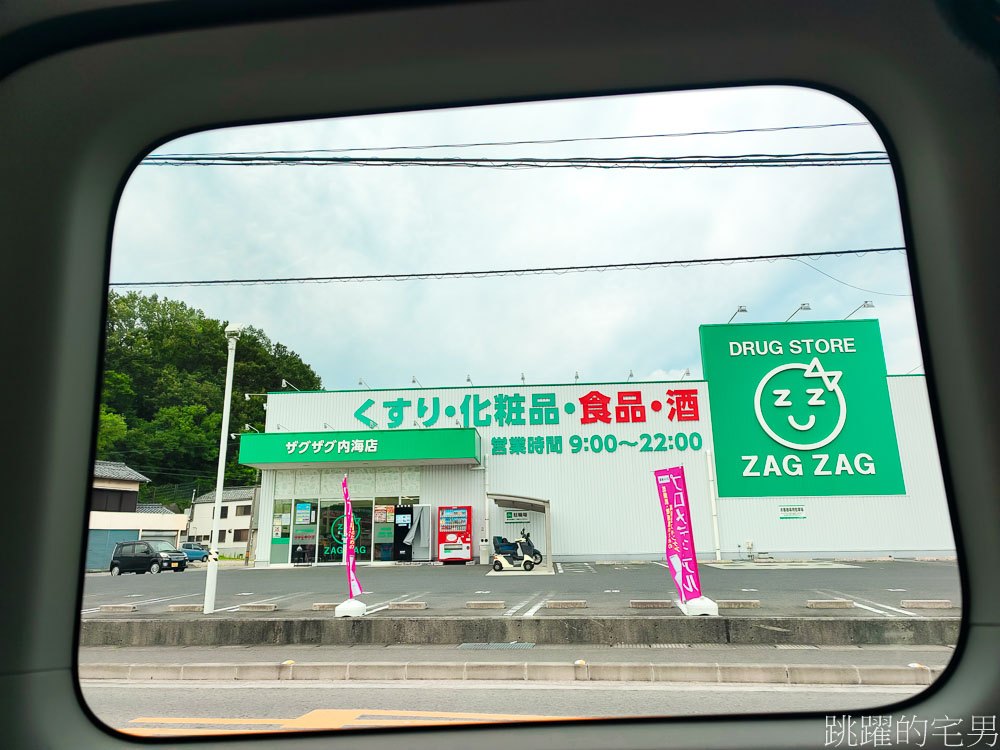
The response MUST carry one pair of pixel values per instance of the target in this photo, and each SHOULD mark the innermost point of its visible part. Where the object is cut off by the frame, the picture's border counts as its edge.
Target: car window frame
(954, 394)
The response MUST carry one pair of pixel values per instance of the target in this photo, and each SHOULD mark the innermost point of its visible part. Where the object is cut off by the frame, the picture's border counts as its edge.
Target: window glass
(616, 383)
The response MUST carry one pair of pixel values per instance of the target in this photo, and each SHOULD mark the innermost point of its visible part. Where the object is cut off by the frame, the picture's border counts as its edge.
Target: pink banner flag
(353, 585)
(681, 556)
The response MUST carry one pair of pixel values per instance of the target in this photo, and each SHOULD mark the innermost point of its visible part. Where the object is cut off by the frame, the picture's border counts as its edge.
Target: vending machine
(454, 540)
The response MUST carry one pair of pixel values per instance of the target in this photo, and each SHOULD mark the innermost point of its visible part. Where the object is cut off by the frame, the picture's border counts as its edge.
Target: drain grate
(796, 647)
(495, 646)
(649, 645)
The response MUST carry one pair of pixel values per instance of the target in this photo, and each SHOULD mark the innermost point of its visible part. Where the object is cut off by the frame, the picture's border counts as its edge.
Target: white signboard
(791, 512)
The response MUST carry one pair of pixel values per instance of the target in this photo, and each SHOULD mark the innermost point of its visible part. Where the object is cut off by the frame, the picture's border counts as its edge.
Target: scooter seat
(502, 547)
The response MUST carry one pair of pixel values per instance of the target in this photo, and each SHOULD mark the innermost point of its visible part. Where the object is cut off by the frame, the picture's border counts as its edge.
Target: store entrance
(332, 530)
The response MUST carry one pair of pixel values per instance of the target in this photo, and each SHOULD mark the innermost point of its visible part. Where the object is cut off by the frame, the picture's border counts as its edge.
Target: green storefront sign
(279, 449)
(801, 409)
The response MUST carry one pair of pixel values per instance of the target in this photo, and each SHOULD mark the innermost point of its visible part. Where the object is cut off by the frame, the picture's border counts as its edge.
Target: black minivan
(146, 557)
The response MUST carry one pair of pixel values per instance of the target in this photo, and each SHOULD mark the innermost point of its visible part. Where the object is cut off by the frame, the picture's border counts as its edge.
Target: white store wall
(604, 505)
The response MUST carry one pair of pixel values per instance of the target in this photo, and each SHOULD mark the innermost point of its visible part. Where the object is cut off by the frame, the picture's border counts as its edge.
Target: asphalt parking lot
(783, 589)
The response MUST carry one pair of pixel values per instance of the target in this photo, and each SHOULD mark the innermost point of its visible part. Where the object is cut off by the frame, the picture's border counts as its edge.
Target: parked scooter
(529, 547)
(511, 555)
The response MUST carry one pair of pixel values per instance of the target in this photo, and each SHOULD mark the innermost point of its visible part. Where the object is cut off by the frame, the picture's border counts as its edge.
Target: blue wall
(101, 543)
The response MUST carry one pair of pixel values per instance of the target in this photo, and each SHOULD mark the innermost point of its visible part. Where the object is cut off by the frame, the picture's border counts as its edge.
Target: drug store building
(803, 450)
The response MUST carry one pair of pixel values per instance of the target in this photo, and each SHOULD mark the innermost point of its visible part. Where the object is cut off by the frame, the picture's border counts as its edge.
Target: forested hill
(164, 382)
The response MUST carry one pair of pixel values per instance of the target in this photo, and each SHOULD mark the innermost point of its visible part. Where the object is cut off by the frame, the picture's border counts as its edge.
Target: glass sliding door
(332, 530)
(363, 517)
(331, 520)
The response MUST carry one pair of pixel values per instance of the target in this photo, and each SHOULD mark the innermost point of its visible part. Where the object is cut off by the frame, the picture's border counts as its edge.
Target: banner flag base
(699, 606)
(350, 608)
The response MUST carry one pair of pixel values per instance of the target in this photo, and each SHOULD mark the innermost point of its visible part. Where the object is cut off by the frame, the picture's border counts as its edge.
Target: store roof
(117, 470)
(229, 495)
(154, 508)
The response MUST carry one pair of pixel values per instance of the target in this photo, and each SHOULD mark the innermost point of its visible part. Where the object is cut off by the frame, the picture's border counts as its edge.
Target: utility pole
(232, 334)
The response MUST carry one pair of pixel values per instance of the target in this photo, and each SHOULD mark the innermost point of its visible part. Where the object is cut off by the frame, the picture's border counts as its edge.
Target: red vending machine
(454, 540)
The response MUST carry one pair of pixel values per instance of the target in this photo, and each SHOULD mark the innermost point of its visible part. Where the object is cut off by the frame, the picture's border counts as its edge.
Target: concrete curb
(772, 674)
(210, 630)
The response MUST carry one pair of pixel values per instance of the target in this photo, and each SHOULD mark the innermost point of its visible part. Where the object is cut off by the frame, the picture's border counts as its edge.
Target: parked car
(195, 551)
(146, 557)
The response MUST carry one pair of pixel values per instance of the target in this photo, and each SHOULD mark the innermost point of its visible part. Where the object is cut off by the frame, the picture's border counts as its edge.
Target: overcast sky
(223, 222)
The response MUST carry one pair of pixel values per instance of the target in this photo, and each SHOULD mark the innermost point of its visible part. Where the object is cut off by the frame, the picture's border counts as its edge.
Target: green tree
(111, 429)
(164, 382)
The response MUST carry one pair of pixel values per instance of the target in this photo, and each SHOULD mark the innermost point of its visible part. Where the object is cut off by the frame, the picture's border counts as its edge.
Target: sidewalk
(683, 664)
(933, 656)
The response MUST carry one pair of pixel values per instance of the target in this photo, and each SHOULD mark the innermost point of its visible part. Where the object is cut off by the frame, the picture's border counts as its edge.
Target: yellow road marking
(326, 719)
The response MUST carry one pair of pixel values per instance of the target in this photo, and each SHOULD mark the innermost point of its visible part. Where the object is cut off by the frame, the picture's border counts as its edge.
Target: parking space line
(559, 568)
(539, 605)
(510, 612)
(513, 610)
(872, 609)
(857, 603)
(879, 604)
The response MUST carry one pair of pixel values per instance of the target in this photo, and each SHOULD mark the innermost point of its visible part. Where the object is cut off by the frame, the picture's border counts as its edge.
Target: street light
(802, 307)
(740, 309)
(687, 373)
(361, 381)
(630, 375)
(866, 304)
(468, 379)
(246, 396)
(232, 334)
(248, 427)
(417, 381)
(286, 384)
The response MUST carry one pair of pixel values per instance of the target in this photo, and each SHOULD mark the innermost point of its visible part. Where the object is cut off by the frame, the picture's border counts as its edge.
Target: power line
(557, 270)
(698, 161)
(545, 142)
(859, 288)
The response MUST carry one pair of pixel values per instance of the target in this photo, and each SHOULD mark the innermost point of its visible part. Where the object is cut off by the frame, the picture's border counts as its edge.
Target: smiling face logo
(801, 406)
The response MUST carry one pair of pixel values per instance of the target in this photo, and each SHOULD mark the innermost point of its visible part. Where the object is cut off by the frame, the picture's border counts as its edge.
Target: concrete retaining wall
(817, 631)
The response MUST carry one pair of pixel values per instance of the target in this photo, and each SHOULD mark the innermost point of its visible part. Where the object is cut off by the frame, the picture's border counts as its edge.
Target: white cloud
(224, 222)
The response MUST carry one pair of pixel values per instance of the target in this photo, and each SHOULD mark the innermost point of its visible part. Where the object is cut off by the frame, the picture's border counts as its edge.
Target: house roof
(117, 470)
(154, 508)
(229, 495)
